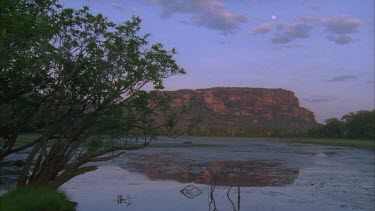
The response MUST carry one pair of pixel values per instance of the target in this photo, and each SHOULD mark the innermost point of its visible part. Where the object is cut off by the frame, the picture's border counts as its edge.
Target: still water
(230, 174)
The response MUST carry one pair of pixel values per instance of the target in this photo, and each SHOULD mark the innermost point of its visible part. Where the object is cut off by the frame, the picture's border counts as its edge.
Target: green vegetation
(73, 75)
(25, 138)
(41, 198)
(354, 129)
(357, 143)
(358, 125)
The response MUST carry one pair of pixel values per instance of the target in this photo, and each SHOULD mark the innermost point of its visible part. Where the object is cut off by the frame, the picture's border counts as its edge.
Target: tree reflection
(230, 200)
(218, 168)
(212, 188)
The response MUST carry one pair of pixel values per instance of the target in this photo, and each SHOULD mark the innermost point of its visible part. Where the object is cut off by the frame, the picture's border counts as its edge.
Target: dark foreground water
(223, 174)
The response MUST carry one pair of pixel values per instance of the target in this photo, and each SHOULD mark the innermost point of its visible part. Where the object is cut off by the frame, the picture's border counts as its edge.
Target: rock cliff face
(245, 107)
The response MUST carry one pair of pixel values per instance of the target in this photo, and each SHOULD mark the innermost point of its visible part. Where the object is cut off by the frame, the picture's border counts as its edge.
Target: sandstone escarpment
(245, 107)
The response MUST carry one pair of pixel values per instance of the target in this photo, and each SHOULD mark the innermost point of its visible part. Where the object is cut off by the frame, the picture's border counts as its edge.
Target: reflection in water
(231, 174)
(212, 202)
(222, 173)
(212, 198)
(191, 191)
(343, 182)
(122, 200)
(212, 190)
(230, 200)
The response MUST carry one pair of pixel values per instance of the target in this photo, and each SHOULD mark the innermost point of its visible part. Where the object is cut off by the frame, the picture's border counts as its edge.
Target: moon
(273, 17)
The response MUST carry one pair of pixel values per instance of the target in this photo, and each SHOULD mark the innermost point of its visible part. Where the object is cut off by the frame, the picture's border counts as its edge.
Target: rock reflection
(222, 173)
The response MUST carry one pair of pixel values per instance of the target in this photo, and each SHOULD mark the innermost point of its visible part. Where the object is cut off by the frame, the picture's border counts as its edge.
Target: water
(223, 174)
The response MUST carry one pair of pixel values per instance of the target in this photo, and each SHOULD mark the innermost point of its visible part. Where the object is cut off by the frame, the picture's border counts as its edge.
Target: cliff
(244, 107)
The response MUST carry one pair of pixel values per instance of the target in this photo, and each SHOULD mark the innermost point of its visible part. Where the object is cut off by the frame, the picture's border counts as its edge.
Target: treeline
(356, 125)
(236, 131)
(353, 125)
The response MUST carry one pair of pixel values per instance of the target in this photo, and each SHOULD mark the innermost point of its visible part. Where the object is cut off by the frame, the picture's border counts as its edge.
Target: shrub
(41, 198)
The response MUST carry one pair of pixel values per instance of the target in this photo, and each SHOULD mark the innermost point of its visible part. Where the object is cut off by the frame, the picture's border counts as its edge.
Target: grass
(25, 138)
(357, 143)
(41, 198)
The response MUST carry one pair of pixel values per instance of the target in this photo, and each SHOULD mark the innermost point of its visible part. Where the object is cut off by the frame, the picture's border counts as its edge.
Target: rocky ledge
(244, 107)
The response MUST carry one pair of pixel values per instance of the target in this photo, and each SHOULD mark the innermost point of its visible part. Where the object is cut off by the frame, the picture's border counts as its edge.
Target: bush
(41, 198)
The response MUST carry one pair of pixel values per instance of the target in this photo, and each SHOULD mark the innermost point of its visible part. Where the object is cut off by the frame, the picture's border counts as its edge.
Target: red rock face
(245, 106)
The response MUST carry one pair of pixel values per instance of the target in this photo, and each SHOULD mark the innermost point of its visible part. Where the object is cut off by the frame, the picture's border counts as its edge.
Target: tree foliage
(360, 124)
(78, 77)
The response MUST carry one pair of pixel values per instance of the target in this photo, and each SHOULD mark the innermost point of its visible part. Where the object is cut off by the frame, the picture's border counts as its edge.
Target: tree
(24, 47)
(332, 128)
(359, 125)
(77, 77)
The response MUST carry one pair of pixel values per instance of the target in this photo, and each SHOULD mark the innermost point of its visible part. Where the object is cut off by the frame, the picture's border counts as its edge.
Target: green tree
(26, 31)
(332, 128)
(359, 125)
(79, 78)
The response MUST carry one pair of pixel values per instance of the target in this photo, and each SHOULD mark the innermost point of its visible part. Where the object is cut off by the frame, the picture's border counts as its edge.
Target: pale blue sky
(321, 50)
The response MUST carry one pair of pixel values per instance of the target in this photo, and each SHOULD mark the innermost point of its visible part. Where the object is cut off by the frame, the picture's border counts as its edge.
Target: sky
(322, 50)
